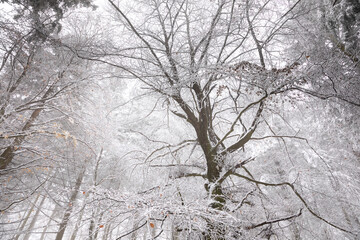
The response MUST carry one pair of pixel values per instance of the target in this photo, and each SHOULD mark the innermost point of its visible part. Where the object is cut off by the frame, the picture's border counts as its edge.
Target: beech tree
(222, 67)
(174, 119)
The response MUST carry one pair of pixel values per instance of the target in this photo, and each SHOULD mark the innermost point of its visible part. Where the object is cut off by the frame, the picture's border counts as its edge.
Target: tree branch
(275, 220)
(298, 195)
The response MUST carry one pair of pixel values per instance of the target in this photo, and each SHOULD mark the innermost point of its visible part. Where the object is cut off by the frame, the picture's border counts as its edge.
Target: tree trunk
(49, 222)
(7, 156)
(175, 234)
(78, 222)
(110, 232)
(91, 227)
(98, 228)
(68, 211)
(26, 218)
(33, 221)
(106, 232)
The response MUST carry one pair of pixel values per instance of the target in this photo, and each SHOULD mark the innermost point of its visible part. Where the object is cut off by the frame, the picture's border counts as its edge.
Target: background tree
(39, 78)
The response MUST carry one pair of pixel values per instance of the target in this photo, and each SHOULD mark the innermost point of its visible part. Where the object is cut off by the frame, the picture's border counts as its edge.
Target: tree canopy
(178, 119)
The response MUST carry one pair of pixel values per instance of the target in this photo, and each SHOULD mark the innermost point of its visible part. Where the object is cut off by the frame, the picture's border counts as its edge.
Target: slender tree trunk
(145, 233)
(68, 211)
(135, 225)
(106, 232)
(110, 232)
(49, 222)
(92, 234)
(98, 228)
(20, 224)
(26, 218)
(78, 222)
(33, 221)
(91, 227)
(175, 235)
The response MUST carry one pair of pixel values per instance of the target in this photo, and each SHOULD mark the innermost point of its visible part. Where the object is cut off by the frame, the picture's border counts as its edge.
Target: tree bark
(33, 221)
(26, 218)
(106, 232)
(49, 222)
(92, 226)
(69, 208)
(7, 156)
(98, 229)
(78, 222)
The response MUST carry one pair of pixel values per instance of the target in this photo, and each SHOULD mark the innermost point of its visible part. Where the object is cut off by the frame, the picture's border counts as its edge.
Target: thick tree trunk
(7, 156)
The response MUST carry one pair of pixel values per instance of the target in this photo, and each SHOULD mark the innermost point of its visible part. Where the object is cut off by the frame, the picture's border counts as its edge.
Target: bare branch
(292, 187)
(275, 220)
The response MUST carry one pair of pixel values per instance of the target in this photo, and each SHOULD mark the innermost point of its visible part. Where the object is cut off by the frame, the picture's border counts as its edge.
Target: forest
(179, 119)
